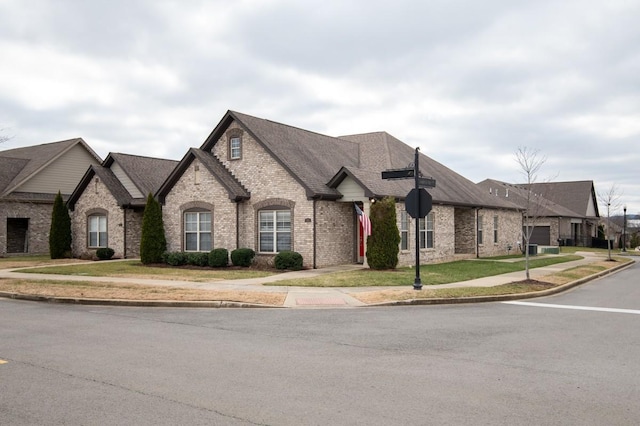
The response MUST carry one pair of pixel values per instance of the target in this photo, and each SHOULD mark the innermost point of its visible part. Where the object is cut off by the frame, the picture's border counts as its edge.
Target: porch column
(366, 208)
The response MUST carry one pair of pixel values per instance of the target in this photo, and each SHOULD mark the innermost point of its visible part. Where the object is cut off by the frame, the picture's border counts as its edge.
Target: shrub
(383, 243)
(60, 231)
(288, 260)
(218, 258)
(242, 256)
(153, 242)
(198, 258)
(104, 253)
(175, 258)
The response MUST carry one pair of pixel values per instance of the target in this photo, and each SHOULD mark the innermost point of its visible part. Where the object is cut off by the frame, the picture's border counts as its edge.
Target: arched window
(97, 230)
(274, 230)
(197, 230)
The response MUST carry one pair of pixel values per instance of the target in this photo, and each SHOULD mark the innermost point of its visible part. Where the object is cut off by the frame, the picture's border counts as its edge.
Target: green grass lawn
(441, 273)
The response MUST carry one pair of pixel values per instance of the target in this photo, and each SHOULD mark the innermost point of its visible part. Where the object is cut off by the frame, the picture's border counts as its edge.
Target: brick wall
(97, 196)
(39, 215)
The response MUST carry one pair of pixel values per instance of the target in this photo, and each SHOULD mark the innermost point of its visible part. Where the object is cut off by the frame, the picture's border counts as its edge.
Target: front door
(17, 235)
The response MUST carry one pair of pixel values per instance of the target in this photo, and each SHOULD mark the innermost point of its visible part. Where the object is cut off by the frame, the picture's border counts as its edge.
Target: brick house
(30, 178)
(271, 187)
(565, 213)
(108, 203)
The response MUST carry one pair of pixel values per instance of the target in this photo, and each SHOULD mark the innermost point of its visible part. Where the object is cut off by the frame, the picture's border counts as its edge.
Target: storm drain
(320, 301)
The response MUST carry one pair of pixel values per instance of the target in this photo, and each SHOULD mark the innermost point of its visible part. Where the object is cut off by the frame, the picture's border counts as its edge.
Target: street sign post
(417, 202)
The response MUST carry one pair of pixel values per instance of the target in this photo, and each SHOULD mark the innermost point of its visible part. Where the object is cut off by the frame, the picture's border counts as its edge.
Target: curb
(505, 297)
(232, 304)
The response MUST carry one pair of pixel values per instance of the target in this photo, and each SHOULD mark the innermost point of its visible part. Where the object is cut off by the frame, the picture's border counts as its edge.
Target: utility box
(533, 249)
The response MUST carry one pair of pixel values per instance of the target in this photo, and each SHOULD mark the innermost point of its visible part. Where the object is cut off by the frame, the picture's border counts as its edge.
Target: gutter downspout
(315, 235)
(124, 229)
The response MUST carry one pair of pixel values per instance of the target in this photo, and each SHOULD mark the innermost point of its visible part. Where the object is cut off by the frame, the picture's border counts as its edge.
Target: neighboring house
(565, 213)
(108, 203)
(271, 187)
(30, 179)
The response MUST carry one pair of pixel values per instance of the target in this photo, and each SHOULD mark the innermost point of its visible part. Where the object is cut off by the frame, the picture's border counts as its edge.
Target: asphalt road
(480, 364)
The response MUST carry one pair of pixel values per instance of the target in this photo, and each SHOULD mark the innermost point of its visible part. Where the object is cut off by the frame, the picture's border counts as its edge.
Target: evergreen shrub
(242, 257)
(219, 258)
(104, 253)
(291, 260)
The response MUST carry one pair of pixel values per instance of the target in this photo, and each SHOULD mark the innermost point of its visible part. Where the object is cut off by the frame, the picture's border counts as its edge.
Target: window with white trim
(404, 230)
(274, 231)
(197, 231)
(427, 231)
(235, 148)
(97, 230)
(479, 229)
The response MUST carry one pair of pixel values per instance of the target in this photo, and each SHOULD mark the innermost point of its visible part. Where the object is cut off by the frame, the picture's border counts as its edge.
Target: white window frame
(97, 225)
(235, 148)
(203, 221)
(404, 230)
(275, 225)
(427, 231)
(480, 226)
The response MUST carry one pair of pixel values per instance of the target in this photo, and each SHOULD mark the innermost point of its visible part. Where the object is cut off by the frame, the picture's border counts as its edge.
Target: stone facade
(37, 217)
(97, 199)
(455, 234)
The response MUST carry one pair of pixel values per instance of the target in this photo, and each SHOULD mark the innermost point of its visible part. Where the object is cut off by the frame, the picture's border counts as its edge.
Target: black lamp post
(624, 230)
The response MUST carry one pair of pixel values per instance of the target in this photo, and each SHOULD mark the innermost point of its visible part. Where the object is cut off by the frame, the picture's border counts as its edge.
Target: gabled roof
(234, 188)
(310, 158)
(517, 194)
(380, 151)
(20, 164)
(577, 196)
(319, 162)
(147, 173)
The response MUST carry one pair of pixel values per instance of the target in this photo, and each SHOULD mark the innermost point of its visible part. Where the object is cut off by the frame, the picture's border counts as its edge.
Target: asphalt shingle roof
(18, 164)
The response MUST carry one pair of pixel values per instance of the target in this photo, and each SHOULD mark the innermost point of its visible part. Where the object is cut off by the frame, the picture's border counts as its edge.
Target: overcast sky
(469, 82)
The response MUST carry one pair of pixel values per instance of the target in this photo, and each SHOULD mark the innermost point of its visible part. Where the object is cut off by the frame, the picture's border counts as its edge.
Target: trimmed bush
(291, 260)
(60, 231)
(104, 253)
(383, 243)
(242, 257)
(152, 242)
(175, 258)
(219, 258)
(198, 259)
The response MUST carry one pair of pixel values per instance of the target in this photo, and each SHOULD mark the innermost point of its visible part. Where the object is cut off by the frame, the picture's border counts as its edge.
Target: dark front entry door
(17, 235)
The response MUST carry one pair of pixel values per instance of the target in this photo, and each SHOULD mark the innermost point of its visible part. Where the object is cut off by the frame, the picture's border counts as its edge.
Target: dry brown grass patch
(91, 290)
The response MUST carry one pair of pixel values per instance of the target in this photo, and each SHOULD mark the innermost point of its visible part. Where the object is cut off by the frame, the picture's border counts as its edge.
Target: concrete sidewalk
(310, 297)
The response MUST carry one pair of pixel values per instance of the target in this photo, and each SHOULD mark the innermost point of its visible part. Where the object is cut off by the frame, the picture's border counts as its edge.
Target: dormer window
(235, 148)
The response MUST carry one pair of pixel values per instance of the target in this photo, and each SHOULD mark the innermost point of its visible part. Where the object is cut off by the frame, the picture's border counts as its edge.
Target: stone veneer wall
(206, 194)
(39, 215)
(465, 230)
(97, 196)
(509, 232)
(269, 184)
(335, 233)
(443, 238)
(134, 232)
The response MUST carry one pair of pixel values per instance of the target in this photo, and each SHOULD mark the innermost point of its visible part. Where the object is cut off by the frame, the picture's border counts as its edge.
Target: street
(541, 362)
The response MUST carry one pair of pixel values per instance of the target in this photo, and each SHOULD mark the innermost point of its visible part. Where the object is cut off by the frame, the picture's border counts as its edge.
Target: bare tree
(610, 198)
(3, 138)
(530, 162)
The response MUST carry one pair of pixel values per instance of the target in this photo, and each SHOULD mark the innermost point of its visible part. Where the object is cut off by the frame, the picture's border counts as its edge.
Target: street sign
(412, 207)
(426, 182)
(397, 174)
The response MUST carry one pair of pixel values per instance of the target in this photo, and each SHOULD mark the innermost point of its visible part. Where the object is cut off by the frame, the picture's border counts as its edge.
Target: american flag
(364, 220)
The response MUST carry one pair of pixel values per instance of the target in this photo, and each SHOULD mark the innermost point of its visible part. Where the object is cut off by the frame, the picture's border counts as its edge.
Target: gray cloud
(468, 82)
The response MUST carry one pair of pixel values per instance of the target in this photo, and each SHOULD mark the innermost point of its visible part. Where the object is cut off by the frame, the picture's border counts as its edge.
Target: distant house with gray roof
(30, 178)
(566, 213)
(269, 186)
(108, 203)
